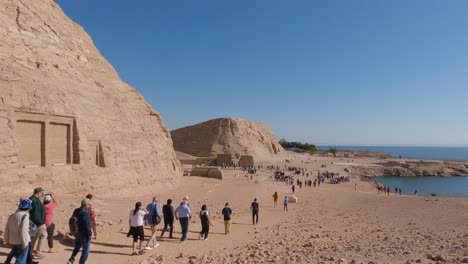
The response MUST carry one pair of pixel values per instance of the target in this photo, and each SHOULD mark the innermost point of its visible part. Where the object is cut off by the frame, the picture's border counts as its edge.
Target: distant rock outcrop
(227, 136)
(413, 168)
(67, 121)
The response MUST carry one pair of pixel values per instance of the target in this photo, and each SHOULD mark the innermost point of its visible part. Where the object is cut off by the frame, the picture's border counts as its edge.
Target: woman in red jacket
(50, 203)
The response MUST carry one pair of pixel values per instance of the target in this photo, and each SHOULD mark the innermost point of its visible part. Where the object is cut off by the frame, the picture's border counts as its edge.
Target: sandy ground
(330, 224)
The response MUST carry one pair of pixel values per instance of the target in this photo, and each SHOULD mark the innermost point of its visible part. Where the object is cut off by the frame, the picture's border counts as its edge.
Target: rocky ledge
(411, 168)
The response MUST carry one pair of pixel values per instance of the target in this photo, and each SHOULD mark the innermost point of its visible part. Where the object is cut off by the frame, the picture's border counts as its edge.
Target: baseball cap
(47, 198)
(38, 190)
(85, 201)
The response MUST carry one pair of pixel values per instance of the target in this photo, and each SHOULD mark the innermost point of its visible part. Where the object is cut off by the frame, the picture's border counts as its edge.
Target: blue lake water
(437, 153)
(454, 186)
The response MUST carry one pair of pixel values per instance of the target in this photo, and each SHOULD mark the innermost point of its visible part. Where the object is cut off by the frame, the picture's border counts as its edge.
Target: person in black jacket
(168, 212)
(83, 236)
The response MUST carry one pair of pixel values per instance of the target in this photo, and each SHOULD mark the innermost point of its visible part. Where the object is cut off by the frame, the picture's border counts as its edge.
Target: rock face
(67, 121)
(413, 168)
(227, 136)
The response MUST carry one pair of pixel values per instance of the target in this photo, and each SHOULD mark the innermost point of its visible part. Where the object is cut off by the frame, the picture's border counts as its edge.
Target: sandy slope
(330, 224)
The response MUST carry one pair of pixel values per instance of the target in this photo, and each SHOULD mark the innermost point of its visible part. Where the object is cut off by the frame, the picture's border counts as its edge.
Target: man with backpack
(227, 218)
(79, 227)
(153, 219)
(254, 207)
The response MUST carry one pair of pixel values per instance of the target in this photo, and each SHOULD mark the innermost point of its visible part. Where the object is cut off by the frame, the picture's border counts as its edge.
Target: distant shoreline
(451, 153)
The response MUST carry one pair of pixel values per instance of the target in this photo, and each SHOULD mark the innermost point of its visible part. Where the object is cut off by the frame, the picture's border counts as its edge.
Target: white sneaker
(148, 248)
(155, 246)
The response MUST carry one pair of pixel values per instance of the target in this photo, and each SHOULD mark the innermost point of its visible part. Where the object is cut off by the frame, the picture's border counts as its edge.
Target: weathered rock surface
(227, 136)
(90, 131)
(412, 168)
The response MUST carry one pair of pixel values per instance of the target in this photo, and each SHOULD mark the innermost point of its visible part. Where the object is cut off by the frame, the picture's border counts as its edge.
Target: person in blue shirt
(153, 219)
(285, 203)
(183, 214)
(83, 236)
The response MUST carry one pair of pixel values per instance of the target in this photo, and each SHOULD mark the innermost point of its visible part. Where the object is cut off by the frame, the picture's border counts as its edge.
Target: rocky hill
(227, 136)
(67, 121)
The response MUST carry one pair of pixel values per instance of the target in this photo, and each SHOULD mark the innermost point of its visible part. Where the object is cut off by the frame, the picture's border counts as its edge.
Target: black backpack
(73, 224)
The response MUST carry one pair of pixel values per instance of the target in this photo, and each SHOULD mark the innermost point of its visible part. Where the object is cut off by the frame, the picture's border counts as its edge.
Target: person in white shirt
(137, 231)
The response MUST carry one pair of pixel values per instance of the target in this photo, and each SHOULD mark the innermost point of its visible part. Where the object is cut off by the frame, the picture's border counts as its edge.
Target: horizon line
(394, 145)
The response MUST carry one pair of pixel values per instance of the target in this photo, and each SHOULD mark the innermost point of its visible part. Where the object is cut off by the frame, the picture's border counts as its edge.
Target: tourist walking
(136, 221)
(285, 203)
(153, 219)
(38, 227)
(205, 223)
(254, 208)
(83, 233)
(183, 214)
(293, 188)
(16, 233)
(399, 191)
(227, 212)
(168, 213)
(92, 218)
(50, 203)
(275, 199)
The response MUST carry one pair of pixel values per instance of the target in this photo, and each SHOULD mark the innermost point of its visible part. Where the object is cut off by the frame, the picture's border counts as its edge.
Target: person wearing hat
(183, 214)
(17, 232)
(50, 203)
(83, 236)
(37, 217)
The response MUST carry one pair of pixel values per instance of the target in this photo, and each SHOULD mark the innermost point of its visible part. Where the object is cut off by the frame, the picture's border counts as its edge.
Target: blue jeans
(19, 253)
(81, 241)
(184, 223)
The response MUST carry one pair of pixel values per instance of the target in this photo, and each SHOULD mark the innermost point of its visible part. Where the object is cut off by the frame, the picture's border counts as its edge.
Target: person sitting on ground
(227, 212)
(136, 221)
(168, 212)
(16, 233)
(205, 223)
(50, 203)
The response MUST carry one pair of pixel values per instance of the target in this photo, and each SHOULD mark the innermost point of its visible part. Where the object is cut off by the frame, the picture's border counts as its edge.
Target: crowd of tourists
(32, 224)
(381, 189)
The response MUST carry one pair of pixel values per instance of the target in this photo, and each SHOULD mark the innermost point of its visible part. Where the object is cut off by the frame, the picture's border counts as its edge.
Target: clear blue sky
(326, 72)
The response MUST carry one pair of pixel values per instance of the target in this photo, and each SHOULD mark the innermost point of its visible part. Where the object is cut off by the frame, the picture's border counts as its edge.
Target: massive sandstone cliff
(227, 136)
(67, 121)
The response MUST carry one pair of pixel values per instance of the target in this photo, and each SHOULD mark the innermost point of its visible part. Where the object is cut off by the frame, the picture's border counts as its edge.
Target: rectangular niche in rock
(31, 140)
(59, 144)
(95, 150)
(44, 140)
